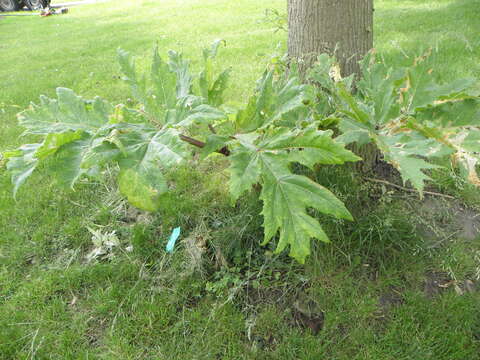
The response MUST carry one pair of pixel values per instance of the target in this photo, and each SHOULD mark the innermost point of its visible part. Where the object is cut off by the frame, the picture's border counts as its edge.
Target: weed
(44, 239)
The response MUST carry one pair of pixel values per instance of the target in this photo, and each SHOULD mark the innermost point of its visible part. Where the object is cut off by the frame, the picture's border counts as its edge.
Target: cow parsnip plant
(404, 112)
(410, 118)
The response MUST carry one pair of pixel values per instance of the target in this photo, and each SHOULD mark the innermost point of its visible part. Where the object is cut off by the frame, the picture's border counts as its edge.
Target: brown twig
(201, 144)
(192, 141)
(407, 189)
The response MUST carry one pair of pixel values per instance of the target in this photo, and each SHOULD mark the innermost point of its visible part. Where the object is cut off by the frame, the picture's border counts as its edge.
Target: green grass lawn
(376, 284)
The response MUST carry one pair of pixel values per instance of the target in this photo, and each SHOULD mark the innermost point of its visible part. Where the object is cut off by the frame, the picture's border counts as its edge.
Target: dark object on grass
(50, 11)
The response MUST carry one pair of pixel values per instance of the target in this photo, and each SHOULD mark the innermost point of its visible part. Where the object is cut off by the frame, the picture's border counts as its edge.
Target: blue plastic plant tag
(172, 240)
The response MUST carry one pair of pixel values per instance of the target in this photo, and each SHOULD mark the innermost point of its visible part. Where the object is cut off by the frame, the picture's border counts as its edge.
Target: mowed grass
(373, 283)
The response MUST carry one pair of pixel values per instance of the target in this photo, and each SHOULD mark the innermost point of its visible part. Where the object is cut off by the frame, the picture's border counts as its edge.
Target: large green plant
(409, 117)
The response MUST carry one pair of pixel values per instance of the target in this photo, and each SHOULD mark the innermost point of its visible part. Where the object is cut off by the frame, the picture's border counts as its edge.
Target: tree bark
(343, 28)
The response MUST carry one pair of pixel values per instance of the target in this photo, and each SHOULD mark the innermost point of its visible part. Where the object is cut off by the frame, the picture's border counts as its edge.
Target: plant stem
(212, 129)
(407, 189)
(201, 144)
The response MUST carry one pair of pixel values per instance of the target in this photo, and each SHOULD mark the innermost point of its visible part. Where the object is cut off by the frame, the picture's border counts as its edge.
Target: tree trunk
(343, 28)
